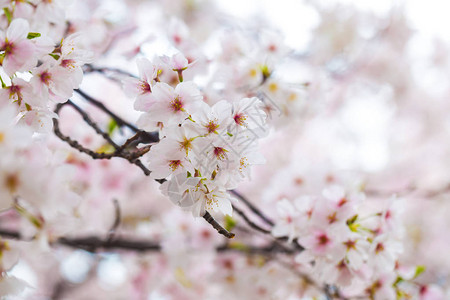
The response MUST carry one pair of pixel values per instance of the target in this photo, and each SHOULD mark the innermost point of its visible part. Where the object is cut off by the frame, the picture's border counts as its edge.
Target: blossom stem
(207, 216)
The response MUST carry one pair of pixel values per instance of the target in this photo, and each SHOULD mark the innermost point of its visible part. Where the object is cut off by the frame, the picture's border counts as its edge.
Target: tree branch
(120, 152)
(117, 218)
(151, 137)
(207, 216)
(131, 157)
(96, 244)
(88, 68)
(253, 208)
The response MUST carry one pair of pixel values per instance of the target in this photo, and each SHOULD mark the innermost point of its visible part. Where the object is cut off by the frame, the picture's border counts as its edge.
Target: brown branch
(131, 157)
(88, 68)
(250, 222)
(207, 216)
(95, 244)
(120, 152)
(252, 207)
(265, 231)
(91, 123)
(410, 189)
(150, 137)
(117, 218)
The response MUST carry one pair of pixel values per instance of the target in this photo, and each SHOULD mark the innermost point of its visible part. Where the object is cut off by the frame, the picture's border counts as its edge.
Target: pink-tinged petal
(144, 122)
(63, 89)
(76, 76)
(147, 70)
(189, 92)
(222, 109)
(43, 45)
(10, 65)
(18, 30)
(4, 97)
(164, 92)
(179, 62)
(22, 59)
(131, 87)
(24, 50)
(144, 102)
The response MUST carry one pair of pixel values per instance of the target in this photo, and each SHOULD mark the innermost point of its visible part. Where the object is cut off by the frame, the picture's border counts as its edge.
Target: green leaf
(3, 83)
(230, 223)
(112, 126)
(265, 71)
(32, 35)
(419, 270)
(55, 56)
(106, 148)
(7, 14)
(397, 281)
(352, 220)
(238, 246)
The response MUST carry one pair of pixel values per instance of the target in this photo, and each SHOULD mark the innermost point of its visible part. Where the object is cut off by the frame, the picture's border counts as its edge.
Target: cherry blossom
(18, 50)
(173, 150)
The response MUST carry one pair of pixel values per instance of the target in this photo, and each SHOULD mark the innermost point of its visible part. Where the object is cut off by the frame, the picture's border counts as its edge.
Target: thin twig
(131, 157)
(95, 244)
(88, 68)
(207, 216)
(117, 218)
(253, 225)
(252, 207)
(250, 222)
(97, 129)
(150, 136)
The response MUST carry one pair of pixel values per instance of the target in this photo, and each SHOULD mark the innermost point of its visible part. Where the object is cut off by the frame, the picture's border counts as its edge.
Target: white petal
(18, 30)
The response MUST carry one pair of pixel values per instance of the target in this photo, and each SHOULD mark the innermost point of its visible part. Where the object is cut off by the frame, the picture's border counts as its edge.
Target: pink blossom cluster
(34, 199)
(344, 245)
(205, 149)
(29, 45)
(344, 140)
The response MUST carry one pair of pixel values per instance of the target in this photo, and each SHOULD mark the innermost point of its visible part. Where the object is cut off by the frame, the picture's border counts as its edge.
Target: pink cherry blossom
(19, 51)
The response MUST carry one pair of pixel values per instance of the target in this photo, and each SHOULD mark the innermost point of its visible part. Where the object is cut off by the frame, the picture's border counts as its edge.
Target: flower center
(212, 126)
(379, 248)
(68, 63)
(350, 245)
(145, 87)
(186, 144)
(332, 218)
(9, 47)
(174, 164)
(219, 152)
(323, 239)
(45, 77)
(176, 105)
(240, 119)
(11, 183)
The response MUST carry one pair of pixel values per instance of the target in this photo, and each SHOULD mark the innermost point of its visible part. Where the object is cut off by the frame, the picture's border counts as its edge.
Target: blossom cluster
(259, 69)
(31, 44)
(35, 199)
(339, 105)
(349, 244)
(205, 149)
